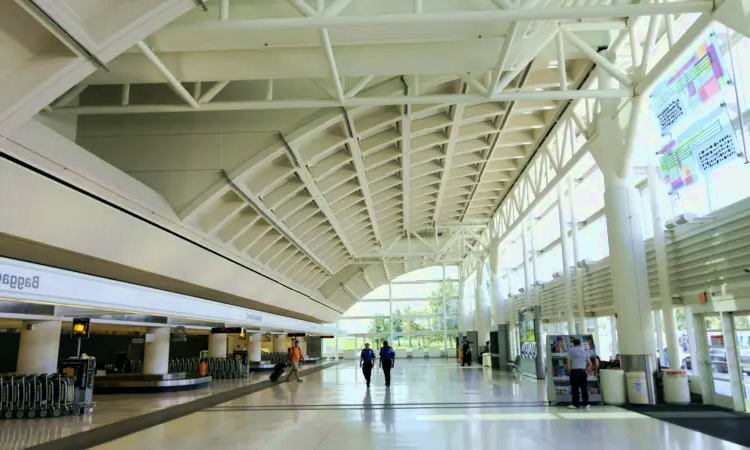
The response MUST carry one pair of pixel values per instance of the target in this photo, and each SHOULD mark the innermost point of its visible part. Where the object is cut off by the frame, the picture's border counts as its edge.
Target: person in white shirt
(578, 364)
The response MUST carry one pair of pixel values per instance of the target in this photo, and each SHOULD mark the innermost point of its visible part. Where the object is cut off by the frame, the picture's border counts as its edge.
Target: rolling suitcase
(278, 369)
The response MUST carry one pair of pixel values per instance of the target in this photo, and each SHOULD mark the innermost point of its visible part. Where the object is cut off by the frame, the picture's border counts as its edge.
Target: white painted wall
(38, 209)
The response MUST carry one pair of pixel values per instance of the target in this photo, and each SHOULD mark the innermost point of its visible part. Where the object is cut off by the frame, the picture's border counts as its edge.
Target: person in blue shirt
(387, 361)
(366, 362)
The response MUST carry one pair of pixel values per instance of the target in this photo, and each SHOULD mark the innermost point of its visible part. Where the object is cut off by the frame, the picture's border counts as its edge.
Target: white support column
(482, 312)
(578, 274)
(390, 312)
(657, 195)
(156, 352)
(462, 325)
(625, 235)
(498, 298)
(217, 345)
(445, 314)
(613, 330)
(534, 275)
(39, 347)
(526, 269)
(279, 343)
(254, 346)
(336, 347)
(659, 340)
(565, 262)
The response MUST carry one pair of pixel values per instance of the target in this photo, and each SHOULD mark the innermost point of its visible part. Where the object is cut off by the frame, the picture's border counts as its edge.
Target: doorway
(741, 322)
(716, 361)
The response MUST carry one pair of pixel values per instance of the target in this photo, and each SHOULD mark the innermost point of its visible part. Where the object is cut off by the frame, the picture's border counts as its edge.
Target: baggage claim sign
(17, 282)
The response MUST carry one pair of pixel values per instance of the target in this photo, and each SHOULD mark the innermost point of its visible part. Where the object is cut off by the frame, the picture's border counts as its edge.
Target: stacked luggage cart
(216, 367)
(39, 396)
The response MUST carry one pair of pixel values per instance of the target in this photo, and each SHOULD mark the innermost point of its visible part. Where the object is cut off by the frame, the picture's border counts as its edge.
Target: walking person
(466, 353)
(387, 361)
(578, 364)
(366, 362)
(295, 357)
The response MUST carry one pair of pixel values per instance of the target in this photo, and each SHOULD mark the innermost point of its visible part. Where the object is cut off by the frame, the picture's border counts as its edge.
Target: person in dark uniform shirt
(387, 361)
(466, 359)
(366, 362)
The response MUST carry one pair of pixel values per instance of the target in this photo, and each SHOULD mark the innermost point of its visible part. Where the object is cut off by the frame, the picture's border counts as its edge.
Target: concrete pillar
(622, 208)
(156, 352)
(217, 345)
(482, 312)
(279, 343)
(254, 347)
(39, 348)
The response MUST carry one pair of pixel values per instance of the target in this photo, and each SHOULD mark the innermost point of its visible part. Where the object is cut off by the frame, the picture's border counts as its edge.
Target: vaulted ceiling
(339, 144)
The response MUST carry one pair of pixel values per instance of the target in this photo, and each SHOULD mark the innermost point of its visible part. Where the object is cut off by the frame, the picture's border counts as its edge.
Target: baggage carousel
(133, 383)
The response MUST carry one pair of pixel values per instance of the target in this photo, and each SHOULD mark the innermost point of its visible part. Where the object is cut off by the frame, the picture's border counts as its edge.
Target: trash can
(487, 360)
(637, 388)
(612, 382)
(676, 388)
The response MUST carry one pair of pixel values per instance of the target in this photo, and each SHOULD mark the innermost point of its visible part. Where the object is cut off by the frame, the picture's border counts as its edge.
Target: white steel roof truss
(381, 157)
(328, 166)
(348, 202)
(341, 192)
(214, 231)
(275, 252)
(264, 244)
(427, 168)
(283, 193)
(244, 229)
(385, 195)
(427, 155)
(382, 172)
(299, 216)
(314, 190)
(252, 236)
(342, 176)
(384, 184)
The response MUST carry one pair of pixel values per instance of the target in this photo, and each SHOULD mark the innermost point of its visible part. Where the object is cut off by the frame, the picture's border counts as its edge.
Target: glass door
(717, 361)
(742, 336)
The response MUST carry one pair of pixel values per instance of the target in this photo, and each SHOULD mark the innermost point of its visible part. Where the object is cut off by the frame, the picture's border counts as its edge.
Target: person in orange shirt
(295, 356)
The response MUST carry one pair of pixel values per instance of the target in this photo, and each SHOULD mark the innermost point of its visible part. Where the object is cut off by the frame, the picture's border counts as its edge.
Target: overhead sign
(296, 334)
(63, 287)
(81, 327)
(327, 337)
(226, 330)
(695, 84)
(703, 147)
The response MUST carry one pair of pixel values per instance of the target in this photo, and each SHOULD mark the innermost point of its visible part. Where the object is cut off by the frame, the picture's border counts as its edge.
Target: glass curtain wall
(418, 310)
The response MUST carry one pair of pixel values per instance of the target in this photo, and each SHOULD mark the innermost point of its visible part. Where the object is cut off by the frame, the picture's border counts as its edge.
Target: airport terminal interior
(535, 213)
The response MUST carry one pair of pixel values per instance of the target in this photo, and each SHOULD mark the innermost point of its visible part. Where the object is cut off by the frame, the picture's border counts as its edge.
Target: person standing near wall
(366, 362)
(387, 361)
(578, 364)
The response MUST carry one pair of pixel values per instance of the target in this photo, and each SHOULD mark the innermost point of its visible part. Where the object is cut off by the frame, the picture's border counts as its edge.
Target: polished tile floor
(431, 405)
(23, 433)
